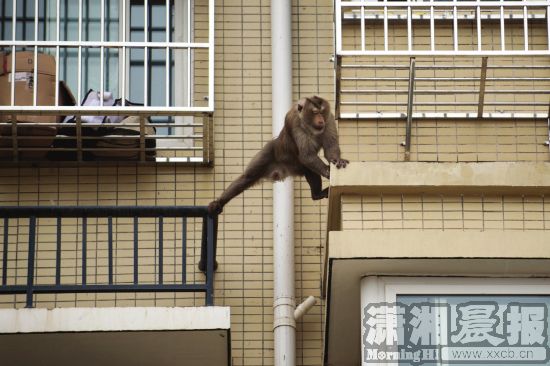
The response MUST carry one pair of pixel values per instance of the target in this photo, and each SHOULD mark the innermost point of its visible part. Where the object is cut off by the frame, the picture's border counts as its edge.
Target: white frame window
(387, 289)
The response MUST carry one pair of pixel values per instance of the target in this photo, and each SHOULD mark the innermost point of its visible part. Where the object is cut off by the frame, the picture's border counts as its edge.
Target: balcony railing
(442, 59)
(158, 54)
(108, 258)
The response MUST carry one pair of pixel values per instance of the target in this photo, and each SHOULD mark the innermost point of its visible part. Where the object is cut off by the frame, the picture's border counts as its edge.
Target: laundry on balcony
(105, 137)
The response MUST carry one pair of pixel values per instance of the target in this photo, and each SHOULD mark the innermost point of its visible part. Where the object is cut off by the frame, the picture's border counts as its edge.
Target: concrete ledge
(113, 319)
(194, 336)
(438, 244)
(434, 178)
(390, 176)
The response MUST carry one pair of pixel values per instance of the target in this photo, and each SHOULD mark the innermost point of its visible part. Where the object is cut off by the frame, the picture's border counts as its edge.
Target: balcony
(55, 259)
(427, 220)
(444, 59)
(152, 79)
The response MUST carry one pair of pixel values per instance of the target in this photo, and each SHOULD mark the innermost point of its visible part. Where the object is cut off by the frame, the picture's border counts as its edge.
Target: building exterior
(444, 120)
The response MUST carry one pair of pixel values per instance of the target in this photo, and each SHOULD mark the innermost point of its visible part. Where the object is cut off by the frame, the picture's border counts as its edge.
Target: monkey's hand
(215, 208)
(340, 163)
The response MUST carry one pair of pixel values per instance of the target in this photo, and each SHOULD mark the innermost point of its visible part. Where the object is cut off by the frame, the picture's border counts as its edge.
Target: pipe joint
(283, 312)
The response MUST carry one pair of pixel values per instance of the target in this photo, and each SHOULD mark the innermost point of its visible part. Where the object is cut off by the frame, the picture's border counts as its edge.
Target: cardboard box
(25, 83)
(34, 136)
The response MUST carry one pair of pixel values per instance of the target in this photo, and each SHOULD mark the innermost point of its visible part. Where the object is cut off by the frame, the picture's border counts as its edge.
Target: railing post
(210, 261)
(410, 102)
(5, 253)
(30, 261)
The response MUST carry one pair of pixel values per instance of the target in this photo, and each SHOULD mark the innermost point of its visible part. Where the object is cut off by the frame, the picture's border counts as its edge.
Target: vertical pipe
(548, 27)
(338, 20)
(283, 205)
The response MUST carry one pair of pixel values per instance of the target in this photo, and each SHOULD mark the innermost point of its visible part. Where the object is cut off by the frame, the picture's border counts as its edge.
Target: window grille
(157, 56)
(440, 59)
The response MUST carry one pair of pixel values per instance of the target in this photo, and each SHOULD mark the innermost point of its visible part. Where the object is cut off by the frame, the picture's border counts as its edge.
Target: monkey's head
(314, 114)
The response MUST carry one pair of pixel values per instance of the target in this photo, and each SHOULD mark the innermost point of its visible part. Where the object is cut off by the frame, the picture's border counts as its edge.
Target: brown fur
(309, 126)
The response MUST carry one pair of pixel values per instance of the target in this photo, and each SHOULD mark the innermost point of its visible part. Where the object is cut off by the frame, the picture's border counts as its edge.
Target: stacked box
(34, 136)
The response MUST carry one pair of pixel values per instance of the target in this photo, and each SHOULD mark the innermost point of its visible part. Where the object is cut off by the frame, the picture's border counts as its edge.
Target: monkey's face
(315, 115)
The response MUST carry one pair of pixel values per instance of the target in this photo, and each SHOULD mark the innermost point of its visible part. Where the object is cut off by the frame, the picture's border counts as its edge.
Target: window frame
(385, 289)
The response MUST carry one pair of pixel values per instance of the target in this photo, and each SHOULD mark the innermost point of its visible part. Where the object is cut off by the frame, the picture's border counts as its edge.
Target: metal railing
(187, 81)
(52, 283)
(408, 60)
(474, 59)
(394, 14)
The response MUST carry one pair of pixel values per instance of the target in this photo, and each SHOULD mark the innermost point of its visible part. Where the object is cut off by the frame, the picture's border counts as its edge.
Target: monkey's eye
(315, 111)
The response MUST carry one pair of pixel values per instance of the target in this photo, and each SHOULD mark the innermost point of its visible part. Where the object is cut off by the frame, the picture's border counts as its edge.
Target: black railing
(207, 262)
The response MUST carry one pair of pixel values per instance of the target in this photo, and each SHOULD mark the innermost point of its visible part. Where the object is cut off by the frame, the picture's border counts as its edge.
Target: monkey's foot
(319, 196)
(340, 163)
(215, 208)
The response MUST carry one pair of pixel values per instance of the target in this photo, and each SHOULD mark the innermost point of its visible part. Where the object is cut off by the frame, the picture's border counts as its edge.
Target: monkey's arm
(307, 153)
(331, 147)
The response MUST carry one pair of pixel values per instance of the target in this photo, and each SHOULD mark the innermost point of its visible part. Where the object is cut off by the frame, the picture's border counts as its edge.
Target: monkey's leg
(256, 170)
(316, 185)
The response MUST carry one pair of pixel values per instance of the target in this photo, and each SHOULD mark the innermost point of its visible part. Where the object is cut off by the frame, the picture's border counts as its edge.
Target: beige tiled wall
(446, 140)
(242, 123)
(445, 212)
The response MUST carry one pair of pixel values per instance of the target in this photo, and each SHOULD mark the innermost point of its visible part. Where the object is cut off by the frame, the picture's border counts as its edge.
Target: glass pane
(477, 330)
(156, 64)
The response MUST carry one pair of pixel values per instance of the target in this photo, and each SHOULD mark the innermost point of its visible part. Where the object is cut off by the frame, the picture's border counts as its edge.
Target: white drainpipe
(284, 326)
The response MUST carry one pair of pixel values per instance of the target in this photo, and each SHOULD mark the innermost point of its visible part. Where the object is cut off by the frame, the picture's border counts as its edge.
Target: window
(443, 320)
(134, 49)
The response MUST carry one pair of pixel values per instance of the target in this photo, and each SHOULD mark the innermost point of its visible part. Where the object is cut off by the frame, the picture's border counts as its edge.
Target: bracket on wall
(410, 102)
(482, 79)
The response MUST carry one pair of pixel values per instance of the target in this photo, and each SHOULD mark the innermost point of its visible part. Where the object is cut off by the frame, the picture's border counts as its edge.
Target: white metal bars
(392, 14)
(184, 107)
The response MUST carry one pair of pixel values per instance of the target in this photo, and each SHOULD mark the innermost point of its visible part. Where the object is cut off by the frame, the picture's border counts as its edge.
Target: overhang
(116, 336)
(355, 254)
(351, 255)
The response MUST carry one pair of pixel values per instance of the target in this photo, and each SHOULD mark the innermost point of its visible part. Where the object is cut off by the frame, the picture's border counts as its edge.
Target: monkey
(309, 126)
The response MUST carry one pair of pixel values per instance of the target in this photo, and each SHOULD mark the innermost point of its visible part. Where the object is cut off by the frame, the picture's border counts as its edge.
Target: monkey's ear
(301, 104)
